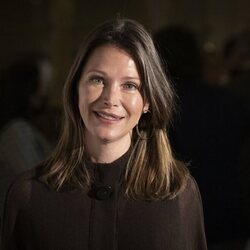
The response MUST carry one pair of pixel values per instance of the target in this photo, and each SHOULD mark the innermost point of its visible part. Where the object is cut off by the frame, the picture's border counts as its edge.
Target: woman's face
(110, 102)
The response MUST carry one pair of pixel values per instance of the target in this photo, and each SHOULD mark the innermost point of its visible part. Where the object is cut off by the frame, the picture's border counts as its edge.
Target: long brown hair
(152, 171)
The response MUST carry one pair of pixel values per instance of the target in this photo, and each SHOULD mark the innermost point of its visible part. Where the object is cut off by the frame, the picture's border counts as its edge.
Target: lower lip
(107, 121)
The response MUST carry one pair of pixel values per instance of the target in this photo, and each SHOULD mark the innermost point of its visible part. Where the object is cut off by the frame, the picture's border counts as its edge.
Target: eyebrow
(96, 71)
(103, 73)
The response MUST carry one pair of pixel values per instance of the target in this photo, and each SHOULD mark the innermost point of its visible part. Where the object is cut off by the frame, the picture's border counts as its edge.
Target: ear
(146, 107)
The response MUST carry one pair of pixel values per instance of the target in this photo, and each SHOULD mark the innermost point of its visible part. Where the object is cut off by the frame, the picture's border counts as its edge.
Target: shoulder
(190, 186)
(20, 189)
(190, 213)
(17, 202)
(190, 194)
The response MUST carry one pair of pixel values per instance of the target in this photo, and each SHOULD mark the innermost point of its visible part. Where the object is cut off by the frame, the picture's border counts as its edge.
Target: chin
(107, 139)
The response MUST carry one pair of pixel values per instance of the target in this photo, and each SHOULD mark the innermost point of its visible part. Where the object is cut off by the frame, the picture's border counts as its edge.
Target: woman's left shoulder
(190, 192)
(190, 211)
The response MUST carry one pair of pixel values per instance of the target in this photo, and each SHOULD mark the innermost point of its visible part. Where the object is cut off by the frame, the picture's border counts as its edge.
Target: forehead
(110, 57)
(105, 51)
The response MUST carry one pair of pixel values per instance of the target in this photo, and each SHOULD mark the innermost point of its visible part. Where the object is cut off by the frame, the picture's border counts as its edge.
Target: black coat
(37, 217)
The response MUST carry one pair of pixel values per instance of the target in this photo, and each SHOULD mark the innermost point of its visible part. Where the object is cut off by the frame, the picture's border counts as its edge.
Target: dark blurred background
(205, 45)
(56, 27)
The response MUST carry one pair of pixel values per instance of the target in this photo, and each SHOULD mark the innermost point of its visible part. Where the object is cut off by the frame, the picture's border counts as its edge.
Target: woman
(112, 182)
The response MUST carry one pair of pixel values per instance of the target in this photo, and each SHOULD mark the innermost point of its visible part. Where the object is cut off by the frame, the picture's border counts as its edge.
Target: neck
(107, 152)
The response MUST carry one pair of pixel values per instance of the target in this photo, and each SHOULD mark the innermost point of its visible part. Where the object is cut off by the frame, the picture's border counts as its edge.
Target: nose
(110, 95)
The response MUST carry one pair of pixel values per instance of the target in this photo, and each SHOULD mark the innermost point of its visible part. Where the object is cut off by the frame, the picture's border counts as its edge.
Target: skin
(110, 102)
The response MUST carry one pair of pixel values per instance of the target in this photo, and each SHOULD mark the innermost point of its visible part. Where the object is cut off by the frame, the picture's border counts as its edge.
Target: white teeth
(108, 117)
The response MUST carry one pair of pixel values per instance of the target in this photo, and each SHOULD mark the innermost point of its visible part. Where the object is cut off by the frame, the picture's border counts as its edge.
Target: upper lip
(109, 114)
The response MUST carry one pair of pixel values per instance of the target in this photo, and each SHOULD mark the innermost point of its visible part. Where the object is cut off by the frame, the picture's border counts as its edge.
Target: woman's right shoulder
(17, 200)
(20, 189)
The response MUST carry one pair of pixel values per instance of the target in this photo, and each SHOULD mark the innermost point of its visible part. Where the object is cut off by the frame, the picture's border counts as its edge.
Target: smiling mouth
(107, 116)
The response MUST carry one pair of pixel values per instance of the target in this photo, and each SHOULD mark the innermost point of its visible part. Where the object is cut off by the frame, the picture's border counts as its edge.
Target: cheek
(87, 96)
(135, 106)
(84, 101)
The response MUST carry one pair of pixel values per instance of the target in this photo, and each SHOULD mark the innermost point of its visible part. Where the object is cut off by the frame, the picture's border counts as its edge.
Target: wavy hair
(152, 172)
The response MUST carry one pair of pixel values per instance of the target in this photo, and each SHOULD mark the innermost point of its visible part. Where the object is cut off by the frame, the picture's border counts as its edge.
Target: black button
(103, 192)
